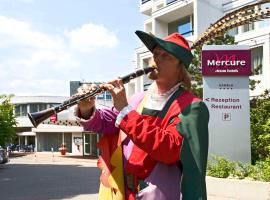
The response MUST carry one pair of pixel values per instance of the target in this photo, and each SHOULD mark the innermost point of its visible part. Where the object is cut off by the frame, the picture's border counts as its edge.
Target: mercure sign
(226, 70)
(226, 62)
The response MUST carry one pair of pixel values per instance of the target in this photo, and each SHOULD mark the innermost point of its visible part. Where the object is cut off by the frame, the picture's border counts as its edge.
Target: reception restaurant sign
(226, 70)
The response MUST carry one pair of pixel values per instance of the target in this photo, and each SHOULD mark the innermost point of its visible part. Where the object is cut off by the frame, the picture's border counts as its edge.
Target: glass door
(86, 144)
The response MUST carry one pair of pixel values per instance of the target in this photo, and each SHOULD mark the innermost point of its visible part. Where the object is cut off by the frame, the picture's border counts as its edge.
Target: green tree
(260, 127)
(7, 120)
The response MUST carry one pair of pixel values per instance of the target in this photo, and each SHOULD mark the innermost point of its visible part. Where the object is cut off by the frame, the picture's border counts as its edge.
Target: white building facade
(257, 37)
(46, 136)
(25, 104)
(191, 18)
(58, 129)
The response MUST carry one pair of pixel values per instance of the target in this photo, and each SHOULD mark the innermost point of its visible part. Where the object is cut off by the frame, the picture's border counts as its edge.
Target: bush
(221, 167)
(241, 170)
(260, 171)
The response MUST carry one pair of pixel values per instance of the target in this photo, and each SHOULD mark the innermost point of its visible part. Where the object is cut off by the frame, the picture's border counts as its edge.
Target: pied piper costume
(158, 148)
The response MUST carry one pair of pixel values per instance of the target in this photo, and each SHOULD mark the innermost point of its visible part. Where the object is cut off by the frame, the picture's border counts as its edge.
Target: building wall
(48, 137)
(258, 37)
(204, 13)
(158, 23)
(45, 138)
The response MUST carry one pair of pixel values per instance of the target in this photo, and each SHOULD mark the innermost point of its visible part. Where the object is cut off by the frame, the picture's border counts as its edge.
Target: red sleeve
(162, 144)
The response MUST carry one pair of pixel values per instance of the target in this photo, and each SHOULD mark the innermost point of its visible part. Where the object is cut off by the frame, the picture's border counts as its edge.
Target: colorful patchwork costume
(159, 149)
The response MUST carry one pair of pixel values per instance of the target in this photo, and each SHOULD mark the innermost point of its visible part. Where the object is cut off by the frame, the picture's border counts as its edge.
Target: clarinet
(37, 117)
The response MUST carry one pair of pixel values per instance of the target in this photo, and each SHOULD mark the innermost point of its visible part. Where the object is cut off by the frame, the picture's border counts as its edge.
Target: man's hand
(118, 92)
(86, 106)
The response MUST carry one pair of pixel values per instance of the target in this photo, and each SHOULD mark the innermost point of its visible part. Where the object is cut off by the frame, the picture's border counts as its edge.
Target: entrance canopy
(57, 128)
(26, 134)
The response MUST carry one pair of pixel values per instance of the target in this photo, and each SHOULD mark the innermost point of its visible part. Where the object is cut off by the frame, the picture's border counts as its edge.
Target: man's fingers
(108, 86)
(86, 88)
(112, 82)
(116, 83)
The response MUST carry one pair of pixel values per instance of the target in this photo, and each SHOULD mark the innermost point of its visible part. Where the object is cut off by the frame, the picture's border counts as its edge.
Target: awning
(45, 128)
(26, 134)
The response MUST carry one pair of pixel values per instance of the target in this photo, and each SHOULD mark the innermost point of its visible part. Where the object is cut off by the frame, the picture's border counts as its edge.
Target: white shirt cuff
(122, 114)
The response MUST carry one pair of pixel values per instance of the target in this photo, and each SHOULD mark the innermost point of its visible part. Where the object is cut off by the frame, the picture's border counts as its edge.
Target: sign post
(226, 70)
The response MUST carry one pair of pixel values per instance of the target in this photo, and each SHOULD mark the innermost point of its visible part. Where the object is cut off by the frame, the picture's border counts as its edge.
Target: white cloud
(21, 33)
(45, 87)
(32, 61)
(87, 37)
(90, 36)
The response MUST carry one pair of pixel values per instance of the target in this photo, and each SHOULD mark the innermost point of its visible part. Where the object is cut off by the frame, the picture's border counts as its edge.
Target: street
(45, 176)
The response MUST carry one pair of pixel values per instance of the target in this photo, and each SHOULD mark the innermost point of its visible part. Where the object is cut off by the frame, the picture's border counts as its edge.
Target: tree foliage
(260, 126)
(7, 120)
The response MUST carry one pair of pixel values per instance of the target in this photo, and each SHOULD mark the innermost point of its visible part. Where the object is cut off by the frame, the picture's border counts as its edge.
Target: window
(233, 31)
(265, 22)
(42, 106)
(23, 110)
(17, 110)
(20, 110)
(184, 26)
(248, 27)
(100, 96)
(53, 104)
(257, 59)
(33, 108)
(108, 95)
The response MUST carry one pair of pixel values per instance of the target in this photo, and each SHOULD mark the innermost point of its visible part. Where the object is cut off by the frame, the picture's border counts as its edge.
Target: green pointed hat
(174, 44)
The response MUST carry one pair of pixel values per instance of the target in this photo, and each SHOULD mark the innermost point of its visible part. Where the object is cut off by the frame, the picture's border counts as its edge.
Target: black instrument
(38, 117)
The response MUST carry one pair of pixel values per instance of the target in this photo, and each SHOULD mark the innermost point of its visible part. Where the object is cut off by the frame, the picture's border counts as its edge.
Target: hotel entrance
(52, 141)
(50, 137)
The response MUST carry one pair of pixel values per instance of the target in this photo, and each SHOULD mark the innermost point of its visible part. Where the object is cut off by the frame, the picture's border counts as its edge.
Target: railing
(170, 1)
(187, 33)
(145, 1)
(146, 86)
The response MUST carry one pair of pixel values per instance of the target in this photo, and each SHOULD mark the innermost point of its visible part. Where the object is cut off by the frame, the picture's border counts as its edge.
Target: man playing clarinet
(154, 146)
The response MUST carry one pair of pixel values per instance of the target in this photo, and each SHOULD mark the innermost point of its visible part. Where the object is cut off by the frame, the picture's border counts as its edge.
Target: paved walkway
(44, 176)
(52, 158)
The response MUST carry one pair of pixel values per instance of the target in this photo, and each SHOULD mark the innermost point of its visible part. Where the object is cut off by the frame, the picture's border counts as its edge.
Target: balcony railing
(145, 1)
(188, 33)
(170, 1)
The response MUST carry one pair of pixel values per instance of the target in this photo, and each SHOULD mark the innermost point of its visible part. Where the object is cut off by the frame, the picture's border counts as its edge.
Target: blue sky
(46, 43)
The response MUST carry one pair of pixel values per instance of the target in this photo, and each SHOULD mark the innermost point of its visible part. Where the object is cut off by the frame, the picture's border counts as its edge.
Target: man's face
(167, 65)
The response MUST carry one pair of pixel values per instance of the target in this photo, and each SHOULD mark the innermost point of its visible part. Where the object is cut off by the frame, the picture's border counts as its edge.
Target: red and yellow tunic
(151, 138)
